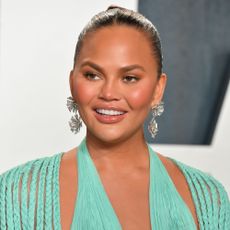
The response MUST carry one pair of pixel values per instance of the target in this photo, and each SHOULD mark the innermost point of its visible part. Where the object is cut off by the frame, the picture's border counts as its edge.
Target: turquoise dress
(30, 199)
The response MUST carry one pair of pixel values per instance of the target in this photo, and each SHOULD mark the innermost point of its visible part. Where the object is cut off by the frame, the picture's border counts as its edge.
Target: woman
(113, 180)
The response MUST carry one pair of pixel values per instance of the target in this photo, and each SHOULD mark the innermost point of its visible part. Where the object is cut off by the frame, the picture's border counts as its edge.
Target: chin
(108, 138)
(112, 137)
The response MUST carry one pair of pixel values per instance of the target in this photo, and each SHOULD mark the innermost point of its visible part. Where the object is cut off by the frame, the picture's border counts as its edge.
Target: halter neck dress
(30, 197)
(93, 207)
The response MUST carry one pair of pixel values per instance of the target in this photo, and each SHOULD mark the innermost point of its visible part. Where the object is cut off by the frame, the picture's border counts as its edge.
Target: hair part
(115, 15)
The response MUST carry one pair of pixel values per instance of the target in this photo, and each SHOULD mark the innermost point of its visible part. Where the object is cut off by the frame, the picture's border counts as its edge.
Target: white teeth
(109, 112)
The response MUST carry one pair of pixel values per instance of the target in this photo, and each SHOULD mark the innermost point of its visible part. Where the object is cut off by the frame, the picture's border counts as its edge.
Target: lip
(109, 119)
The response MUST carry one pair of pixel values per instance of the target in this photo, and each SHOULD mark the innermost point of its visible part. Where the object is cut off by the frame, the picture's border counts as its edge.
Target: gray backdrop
(196, 48)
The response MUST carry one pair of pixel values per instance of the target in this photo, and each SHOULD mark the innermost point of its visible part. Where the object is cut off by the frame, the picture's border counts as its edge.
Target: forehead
(118, 44)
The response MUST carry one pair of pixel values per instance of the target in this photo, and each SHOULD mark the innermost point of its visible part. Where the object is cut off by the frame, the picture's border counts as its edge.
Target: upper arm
(28, 195)
(210, 199)
(219, 203)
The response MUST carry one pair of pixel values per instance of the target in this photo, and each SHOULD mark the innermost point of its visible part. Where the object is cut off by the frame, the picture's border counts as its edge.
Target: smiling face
(115, 83)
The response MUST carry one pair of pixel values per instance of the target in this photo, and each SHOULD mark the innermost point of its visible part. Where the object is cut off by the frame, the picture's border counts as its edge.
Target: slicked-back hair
(115, 15)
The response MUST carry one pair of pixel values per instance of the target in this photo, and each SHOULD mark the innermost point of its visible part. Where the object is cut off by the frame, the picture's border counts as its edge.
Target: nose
(109, 91)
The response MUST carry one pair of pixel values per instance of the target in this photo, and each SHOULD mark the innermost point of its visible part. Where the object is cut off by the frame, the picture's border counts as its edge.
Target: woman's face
(115, 83)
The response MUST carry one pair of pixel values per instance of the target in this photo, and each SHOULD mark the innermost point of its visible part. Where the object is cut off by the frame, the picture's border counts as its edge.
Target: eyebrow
(123, 69)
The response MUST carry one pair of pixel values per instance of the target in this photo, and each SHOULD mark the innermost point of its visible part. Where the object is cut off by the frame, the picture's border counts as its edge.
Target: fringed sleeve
(210, 198)
(29, 195)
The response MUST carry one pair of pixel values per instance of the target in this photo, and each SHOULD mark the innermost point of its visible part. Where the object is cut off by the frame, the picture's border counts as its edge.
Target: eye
(91, 76)
(130, 79)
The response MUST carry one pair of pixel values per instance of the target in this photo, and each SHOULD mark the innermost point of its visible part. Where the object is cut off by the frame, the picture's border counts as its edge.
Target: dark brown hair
(115, 15)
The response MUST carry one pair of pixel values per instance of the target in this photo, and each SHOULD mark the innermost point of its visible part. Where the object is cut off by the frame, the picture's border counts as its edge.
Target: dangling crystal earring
(156, 112)
(75, 123)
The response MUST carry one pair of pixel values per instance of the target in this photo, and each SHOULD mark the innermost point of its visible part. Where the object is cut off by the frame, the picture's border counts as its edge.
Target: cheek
(82, 92)
(140, 97)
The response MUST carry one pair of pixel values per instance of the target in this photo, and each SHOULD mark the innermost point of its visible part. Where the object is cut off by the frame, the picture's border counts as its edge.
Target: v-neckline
(98, 181)
(105, 195)
(102, 187)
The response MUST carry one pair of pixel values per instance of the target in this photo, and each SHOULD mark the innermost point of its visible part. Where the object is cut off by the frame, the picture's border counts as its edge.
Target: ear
(71, 81)
(159, 90)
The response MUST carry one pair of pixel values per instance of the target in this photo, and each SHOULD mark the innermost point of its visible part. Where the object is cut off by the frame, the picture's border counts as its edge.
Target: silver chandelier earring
(75, 123)
(156, 112)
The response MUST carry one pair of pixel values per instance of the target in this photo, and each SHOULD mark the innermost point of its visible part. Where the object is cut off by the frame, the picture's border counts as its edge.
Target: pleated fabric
(30, 198)
(93, 208)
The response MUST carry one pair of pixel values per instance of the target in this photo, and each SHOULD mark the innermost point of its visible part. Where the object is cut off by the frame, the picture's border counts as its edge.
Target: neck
(126, 154)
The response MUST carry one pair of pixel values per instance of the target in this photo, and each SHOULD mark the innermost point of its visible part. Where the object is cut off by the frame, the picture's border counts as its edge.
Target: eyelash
(132, 79)
(90, 76)
(128, 79)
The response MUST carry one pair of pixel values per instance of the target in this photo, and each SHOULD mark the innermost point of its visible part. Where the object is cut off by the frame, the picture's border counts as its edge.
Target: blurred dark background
(195, 37)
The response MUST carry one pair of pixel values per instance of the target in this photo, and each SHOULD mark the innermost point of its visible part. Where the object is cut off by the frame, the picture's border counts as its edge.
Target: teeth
(109, 112)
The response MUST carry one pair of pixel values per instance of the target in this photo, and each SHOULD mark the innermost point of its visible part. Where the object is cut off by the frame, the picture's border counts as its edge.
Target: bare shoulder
(68, 169)
(208, 196)
(175, 173)
(68, 186)
(69, 157)
(68, 166)
(180, 183)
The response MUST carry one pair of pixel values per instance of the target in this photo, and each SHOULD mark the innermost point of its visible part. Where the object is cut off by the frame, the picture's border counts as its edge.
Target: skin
(109, 87)
(117, 69)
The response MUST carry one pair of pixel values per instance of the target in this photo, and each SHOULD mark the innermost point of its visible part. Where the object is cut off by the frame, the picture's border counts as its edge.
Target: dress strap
(167, 208)
(92, 208)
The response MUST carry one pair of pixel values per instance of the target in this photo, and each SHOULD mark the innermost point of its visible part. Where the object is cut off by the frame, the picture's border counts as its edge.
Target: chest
(128, 195)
